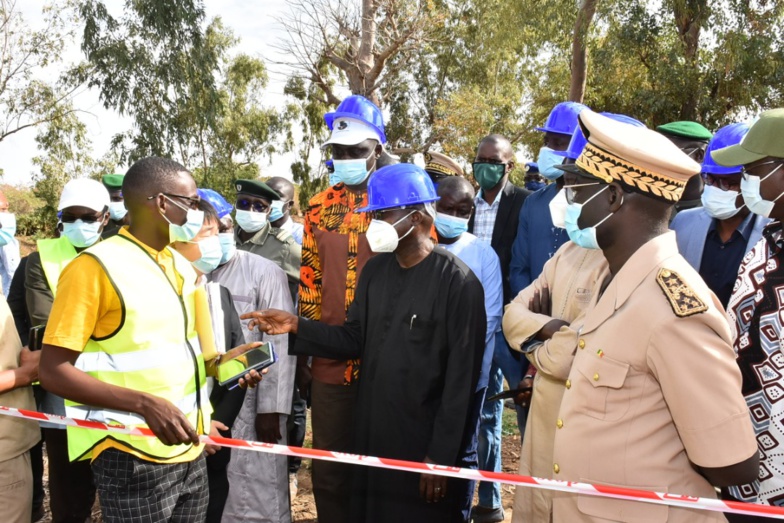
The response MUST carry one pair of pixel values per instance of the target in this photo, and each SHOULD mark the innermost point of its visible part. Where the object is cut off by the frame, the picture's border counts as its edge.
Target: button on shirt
(720, 260)
(484, 221)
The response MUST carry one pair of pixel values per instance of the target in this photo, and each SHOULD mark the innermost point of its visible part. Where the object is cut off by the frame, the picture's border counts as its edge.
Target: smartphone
(230, 371)
(35, 340)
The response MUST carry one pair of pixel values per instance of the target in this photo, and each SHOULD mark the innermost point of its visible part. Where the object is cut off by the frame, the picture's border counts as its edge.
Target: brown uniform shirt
(573, 276)
(654, 387)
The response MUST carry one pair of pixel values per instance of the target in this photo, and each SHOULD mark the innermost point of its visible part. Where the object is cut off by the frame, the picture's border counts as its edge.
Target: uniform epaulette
(284, 235)
(682, 298)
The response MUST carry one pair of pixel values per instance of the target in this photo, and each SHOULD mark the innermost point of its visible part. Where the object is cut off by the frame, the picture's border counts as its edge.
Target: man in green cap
(117, 211)
(691, 138)
(254, 232)
(755, 305)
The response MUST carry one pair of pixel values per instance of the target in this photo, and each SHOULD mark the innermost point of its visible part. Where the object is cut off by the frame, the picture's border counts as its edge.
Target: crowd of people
(628, 296)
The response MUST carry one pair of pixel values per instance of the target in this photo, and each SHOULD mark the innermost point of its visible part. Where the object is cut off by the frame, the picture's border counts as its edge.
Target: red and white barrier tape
(644, 496)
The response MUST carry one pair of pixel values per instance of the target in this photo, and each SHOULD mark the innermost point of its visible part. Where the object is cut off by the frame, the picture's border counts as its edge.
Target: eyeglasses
(192, 202)
(692, 152)
(86, 218)
(746, 173)
(725, 183)
(570, 193)
(255, 205)
(379, 215)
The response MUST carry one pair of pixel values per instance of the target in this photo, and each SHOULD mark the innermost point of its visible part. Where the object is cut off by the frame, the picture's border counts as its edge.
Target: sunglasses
(86, 218)
(255, 206)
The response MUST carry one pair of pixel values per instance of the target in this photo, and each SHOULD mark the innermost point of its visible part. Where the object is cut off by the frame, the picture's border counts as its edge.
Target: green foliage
(157, 65)
(307, 114)
(30, 95)
(499, 66)
(188, 98)
(67, 154)
(26, 205)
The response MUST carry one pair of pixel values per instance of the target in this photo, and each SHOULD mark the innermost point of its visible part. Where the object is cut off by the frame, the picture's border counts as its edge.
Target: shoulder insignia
(682, 298)
(284, 236)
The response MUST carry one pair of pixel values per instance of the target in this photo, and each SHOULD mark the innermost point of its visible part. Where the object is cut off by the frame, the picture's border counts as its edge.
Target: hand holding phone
(234, 366)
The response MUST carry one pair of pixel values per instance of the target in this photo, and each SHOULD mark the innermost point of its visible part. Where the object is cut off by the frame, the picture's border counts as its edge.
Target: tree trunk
(582, 24)
(689, 17)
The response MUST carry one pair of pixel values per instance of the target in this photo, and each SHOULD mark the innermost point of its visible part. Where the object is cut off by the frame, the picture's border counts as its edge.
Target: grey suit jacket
(691, 229)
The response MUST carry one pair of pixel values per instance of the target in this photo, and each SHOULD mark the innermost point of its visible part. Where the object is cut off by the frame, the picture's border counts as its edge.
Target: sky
(254, 22)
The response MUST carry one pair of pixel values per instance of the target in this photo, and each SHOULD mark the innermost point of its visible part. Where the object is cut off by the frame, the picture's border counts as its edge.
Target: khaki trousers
(16, 489)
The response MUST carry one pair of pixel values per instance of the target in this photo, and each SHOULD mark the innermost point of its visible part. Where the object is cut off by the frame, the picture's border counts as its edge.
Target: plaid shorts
(131, 489)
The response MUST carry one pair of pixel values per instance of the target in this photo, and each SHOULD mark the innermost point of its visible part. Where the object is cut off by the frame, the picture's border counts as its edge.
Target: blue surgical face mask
(117, 211)
(250, 221)
(547, 161)
(8, 229)
(194, 219)
(535, 186)
(276, 210)
(334, 179)
(211, 254)
(449, 226)
(585, 238)
(352, 172)
(228, 246)
(82, 234)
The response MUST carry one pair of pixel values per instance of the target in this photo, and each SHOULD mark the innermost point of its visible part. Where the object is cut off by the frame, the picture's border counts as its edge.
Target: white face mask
(117, 211)
(382, 236)
(750, 189)
(558, 207)
(718, 203)
(250, 221)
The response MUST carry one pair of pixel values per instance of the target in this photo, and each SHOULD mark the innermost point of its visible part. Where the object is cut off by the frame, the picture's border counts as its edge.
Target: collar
(497, 197)
(637, 269)
(157, 255)
(288, 225)
(744, 229)
(258, 239)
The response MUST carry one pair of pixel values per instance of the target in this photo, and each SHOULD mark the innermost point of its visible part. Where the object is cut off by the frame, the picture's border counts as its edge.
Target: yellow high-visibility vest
(155, 350)
(55, 254)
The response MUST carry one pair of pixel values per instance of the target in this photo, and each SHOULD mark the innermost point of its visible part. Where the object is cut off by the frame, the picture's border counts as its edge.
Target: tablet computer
(230, 371)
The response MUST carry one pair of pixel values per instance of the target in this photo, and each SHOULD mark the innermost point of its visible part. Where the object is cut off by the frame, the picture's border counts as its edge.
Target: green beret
(113, 182)
(691, 130)
(256, 188)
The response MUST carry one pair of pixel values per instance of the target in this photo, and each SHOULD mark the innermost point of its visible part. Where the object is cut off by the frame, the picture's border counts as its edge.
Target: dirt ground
(303, 507)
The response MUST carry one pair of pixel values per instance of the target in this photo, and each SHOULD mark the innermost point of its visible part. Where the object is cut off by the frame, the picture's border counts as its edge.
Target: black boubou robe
(420, 334)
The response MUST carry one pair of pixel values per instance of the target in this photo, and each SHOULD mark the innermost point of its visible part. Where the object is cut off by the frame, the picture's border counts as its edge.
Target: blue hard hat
(359, 108)
(731, 134)
(563, 118)
(222, 207)
(399, 185)
(577, 144)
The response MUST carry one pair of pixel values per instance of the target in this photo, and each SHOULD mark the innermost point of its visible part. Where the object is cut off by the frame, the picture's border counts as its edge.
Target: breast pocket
(607, 399)
(420, 330)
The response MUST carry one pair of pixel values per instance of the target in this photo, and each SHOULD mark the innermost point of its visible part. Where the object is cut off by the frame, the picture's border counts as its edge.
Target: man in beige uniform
(18, 369)
(548, 338)
(654, 398)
